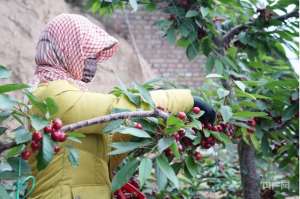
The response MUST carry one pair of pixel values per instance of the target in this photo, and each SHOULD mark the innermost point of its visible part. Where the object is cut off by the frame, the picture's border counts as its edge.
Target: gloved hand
(209, 115)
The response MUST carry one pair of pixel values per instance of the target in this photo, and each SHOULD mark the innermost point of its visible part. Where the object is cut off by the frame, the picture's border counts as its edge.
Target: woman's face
(89, 71)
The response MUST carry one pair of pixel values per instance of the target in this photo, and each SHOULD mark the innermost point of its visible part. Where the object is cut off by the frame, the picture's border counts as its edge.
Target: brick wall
(167, 61)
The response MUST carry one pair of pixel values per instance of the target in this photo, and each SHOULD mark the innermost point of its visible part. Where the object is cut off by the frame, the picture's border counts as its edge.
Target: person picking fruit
(67, 54)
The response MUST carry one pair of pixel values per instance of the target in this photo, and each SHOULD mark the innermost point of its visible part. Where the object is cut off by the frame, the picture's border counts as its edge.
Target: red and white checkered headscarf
(65, 43)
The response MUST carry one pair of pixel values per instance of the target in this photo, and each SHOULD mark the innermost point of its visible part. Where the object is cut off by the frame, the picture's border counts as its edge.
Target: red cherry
(172, 17)
(211, 140)
(37, 136)
(187, 142)
(48, 129)
(169, 152)
(250, 131)
(214, 128)
(62, 137)
(219, 128)
(56, 149)
(181, 115)
(251, 122)
(206, 145)
(196, 110)
(57, 124)
(35, 145)
(208, 126)
(138, 125)
(176, 136)
(134, 183)
(197, 156)
(25, 154)
(56, 135)
(181, 132)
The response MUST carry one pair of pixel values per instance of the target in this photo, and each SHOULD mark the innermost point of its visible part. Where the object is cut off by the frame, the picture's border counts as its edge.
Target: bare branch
(99, 120)
(115, 116)
(239, 28)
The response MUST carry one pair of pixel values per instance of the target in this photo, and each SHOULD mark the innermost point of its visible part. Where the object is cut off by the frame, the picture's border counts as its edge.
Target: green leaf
(74, 139)
(182, 42)
(226, 113)
(133, 4)
(4, 72)
(171, 36)
(210, 64)
(36, 102)
(76, 134)
(135, 99)
(124, 147)
(37, 122)
(191, 166)
(191, 13)
(248, 114)
(255, 141)
(174, 124)
(12, 87)
(15, 151)
(124, 174)
(144, 170)
(6, 102)
(206, 45)
(175, 150)
(204, 11)
(73, 157)
(241, 85)
(22, 135)
(2, 130)
(221, 137)
(3, 192)
(164, 143)
(51, 106)
(162, 180)
(146, 95)
(133, 131)
(113, 125)
(192, 51)
(46, 154)
(16, 163)
(219, 67)
(165, 167)
(222, 92)
(4, 115)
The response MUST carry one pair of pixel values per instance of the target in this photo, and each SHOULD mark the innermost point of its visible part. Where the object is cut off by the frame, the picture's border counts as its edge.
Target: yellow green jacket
(91, 179)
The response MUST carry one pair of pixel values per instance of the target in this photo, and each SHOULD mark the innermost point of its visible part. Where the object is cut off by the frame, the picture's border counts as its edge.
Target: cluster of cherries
(184, 142)
(54, 129)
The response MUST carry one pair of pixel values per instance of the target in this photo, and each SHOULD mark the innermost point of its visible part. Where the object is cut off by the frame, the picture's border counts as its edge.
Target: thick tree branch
(99, 120)
(239, 28)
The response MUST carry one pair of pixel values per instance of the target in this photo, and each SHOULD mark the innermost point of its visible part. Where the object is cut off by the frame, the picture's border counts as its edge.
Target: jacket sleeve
(76, 105)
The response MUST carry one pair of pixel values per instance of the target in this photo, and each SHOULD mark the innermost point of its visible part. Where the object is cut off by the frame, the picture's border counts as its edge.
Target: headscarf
(66, 42)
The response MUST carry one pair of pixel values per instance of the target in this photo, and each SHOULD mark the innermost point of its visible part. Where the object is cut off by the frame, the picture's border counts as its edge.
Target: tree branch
(99, 120)
(115, 116)
(239, 28)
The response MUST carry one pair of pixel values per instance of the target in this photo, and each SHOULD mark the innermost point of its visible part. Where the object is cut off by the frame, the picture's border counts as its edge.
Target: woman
(67, 55)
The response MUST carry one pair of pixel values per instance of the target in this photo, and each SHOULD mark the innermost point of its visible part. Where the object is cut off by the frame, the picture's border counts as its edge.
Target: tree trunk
(250, 179)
